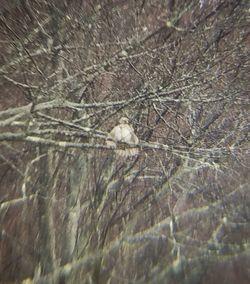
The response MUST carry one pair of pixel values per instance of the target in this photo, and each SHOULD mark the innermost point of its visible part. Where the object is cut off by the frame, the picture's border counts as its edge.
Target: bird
(123, 133)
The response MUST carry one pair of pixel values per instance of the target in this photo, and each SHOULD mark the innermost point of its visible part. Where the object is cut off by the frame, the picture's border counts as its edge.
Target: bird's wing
(133, 138)
(112, 134)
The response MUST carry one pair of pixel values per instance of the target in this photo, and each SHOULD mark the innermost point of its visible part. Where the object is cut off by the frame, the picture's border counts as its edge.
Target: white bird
(123, 133)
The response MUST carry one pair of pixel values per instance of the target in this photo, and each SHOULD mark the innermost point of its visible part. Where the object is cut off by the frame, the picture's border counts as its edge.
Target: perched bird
(123, 133)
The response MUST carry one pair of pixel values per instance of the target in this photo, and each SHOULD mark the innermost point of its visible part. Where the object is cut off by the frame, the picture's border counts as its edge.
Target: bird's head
(123, 120)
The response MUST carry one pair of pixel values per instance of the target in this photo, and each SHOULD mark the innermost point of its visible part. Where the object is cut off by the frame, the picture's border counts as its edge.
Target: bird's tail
(130, 152)
(110, 143)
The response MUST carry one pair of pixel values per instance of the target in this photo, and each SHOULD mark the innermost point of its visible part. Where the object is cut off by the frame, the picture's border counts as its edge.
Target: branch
(15, 202)
(152, 96)
(182, 151)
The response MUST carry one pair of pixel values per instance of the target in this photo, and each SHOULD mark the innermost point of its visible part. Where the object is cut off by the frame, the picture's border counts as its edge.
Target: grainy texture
(71, 211)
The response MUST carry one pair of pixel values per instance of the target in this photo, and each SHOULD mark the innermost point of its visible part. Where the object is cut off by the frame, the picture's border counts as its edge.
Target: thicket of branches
(71, 211)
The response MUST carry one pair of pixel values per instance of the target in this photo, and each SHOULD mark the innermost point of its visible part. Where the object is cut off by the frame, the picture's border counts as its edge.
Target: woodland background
(70, 210)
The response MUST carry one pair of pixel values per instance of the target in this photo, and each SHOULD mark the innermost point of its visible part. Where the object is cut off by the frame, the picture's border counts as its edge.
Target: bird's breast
(123, 134)
(126, 135)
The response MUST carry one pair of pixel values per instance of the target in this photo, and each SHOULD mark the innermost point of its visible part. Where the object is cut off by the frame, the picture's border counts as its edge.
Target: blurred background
(71, 211)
